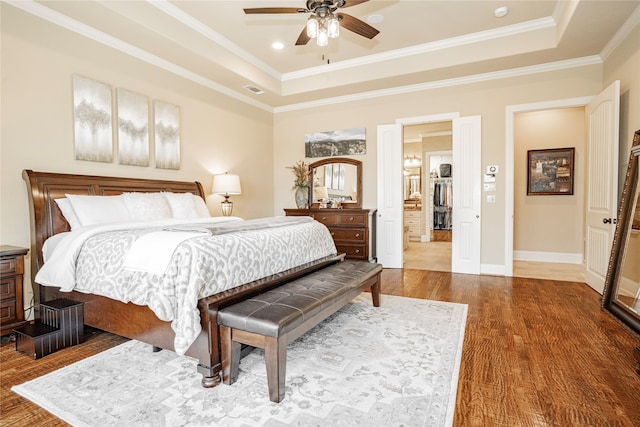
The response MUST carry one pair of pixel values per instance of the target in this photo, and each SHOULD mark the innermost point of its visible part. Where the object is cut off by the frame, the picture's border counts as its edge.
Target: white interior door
(603, 121)
(467, 191)
(389, 247)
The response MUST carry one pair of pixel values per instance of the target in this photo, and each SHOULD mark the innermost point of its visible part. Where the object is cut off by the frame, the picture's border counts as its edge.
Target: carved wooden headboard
(45, 187)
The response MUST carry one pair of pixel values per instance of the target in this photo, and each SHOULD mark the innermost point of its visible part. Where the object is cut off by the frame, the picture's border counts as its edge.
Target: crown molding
(629, 25)
(57, 18)
(497, 75)
(506, 31)
(197, 26)
(70, 24)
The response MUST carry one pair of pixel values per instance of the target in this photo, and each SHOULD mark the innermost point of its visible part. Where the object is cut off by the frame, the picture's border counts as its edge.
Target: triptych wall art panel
(133, 128)
(93, 126)
(92, 120)
(167, 135)
(344, 142)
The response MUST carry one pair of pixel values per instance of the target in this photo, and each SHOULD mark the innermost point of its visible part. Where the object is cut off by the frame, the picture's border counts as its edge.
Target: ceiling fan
(325, 20)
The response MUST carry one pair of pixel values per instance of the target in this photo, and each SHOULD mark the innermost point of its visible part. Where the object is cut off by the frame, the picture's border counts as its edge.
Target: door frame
(510, 112)
(418, 120)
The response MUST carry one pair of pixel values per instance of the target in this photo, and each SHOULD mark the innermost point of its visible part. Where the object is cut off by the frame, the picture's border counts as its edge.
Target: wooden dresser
(353, 230)
(11, 272)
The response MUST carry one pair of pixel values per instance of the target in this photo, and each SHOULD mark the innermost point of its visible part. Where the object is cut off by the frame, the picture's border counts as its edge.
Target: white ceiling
(421, 42)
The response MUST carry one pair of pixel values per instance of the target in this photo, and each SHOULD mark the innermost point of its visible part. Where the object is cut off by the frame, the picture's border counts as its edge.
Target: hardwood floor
(436, 256)
(536, 353)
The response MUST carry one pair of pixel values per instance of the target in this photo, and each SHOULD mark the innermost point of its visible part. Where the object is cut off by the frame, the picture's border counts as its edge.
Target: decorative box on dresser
(353, 230)
(11, 272)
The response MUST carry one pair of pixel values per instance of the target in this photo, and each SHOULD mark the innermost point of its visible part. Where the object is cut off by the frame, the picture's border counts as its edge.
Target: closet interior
(428, 182)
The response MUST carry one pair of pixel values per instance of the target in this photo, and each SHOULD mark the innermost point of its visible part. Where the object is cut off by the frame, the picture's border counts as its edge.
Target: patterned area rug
(396, 365)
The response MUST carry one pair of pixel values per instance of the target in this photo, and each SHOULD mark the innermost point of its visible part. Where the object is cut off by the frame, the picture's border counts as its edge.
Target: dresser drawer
(7, 310)
(352, 219)
(412, 214)
(8, 266)
(412, 222)
(329, 218)
(7, 287)
(355, 235)
(353, 251)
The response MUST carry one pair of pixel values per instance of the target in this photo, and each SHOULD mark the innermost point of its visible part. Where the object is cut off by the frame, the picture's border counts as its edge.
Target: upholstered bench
(277, 317)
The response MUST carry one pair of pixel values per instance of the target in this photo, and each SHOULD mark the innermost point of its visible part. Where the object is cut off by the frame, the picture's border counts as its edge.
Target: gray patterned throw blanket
(216, 257)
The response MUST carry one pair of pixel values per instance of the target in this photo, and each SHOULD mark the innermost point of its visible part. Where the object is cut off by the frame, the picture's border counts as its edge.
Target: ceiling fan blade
(256, 10)
(349, 3)
(350, 23)
(303, 38)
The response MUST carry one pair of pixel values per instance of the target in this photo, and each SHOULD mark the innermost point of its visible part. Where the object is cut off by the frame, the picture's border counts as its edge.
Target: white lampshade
(226, 184)
(320, 193)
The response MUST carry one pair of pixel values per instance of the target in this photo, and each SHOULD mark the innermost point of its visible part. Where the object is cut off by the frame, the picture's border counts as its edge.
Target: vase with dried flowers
(301, 183)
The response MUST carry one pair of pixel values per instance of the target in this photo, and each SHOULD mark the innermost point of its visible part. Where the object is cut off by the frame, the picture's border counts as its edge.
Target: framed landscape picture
(550, 172)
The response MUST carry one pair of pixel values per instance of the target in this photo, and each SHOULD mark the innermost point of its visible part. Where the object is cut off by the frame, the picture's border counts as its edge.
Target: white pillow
(182, 205)
(201, 207)
(68, 213)
(98, 209)
(147, 206)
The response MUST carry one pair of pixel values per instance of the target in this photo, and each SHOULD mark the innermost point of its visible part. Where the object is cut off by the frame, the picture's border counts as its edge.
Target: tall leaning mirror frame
(336, 179)
(621, 294)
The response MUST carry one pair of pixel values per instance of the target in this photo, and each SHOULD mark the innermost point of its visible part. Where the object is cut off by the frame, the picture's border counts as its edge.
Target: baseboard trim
(492, 269)
(560, 257)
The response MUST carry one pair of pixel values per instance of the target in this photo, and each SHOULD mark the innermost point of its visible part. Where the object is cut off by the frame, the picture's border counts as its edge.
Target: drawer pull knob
(357, 251)
(350, 218)
(357, 234)
(324, 217)
(333, 234)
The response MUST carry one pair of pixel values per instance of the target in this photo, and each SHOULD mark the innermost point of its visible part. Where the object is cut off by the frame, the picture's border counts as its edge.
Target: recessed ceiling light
(501, 11)
(375, 18)
(277, 45)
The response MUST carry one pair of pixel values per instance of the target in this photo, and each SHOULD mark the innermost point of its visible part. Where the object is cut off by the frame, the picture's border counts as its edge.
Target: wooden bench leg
(275, 354)
(375, 291)
(230, 352)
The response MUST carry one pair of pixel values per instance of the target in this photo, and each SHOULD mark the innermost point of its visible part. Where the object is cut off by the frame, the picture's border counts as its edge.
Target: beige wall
(38, 59)
(488, 99)
(624, 64)
(549, 223)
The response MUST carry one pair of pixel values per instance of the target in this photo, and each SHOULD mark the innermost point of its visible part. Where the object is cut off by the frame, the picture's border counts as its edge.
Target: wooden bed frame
(130, 320)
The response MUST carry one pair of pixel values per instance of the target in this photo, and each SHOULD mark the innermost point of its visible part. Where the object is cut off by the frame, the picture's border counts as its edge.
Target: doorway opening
(428, 195)
(548, 231)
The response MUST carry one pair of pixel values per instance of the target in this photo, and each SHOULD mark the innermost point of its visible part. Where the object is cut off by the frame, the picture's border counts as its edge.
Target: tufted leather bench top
(280, 310)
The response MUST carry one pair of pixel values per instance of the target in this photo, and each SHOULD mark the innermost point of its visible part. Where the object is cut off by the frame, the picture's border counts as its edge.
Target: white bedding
(92, 260)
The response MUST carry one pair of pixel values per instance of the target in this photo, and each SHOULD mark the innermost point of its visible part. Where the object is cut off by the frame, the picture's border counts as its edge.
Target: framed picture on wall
(550, 172)
(92, 115)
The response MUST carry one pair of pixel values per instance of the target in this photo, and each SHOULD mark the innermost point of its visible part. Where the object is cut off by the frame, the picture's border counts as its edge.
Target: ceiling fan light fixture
(333, 27)
(323, 37)
(312, 26)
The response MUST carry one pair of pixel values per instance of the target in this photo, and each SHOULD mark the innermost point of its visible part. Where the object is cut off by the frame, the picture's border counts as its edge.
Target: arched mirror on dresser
(621, 294)
(336, 201)
(336, 179)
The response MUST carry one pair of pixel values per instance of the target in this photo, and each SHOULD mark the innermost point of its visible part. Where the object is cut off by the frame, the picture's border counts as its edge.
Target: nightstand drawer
(352, 219)
(8, 266)
(356, 235)
(7, 310)
(8, 287)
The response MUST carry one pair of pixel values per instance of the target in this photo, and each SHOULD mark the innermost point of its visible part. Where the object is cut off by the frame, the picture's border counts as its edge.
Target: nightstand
(11, 272)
